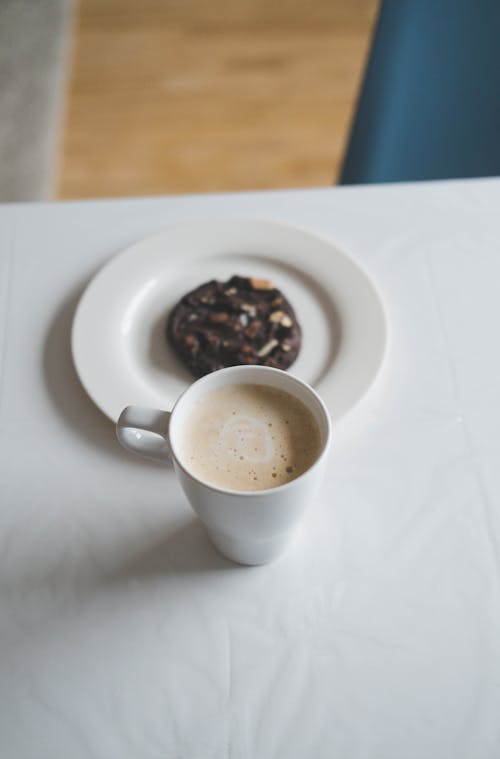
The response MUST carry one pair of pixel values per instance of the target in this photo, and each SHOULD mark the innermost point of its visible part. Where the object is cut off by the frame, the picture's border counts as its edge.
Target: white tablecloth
(124, 634)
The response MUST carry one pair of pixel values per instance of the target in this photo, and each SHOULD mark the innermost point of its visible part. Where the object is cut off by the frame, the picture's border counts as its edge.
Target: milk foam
(249, 437)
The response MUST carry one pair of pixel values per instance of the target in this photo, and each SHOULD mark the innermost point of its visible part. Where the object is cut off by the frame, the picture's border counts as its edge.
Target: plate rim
(130, 250)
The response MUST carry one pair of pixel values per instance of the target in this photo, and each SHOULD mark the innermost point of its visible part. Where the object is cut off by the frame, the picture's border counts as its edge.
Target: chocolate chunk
(218, 317)
(253, 329)
(235, 322)
(192, 343)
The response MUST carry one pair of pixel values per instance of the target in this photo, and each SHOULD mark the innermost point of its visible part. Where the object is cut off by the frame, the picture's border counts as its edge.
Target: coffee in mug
(249, 437)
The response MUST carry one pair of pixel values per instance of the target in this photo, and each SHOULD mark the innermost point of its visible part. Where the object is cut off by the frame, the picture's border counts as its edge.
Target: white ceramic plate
(118, 340)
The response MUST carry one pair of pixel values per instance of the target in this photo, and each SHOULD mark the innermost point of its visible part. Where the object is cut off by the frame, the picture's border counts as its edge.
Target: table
(124, 634)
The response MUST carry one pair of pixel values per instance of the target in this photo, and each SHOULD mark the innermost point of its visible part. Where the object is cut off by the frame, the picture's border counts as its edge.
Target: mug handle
(145, 431)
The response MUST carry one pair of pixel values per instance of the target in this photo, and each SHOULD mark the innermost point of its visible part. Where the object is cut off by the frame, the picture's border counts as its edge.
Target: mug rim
(264, 491)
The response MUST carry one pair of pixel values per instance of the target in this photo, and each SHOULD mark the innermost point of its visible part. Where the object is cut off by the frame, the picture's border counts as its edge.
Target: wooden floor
(173, 96)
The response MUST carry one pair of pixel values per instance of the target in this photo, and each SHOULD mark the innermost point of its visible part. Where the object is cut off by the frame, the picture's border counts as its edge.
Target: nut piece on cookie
(280, 317)
(261, 284)
(268, 347)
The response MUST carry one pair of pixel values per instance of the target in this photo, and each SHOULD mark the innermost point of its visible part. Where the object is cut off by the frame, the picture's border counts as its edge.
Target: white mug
(248, 527)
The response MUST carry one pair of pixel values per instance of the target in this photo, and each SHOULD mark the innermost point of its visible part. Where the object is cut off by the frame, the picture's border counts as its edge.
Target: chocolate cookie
(241, 321)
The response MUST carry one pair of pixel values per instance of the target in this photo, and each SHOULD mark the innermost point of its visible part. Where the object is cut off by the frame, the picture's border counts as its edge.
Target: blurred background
(102, 98)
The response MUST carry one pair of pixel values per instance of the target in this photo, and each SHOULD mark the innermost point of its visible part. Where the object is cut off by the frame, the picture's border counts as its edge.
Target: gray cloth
(34, 45)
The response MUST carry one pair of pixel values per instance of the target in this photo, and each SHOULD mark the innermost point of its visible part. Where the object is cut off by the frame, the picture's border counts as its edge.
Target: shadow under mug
(248, 527)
